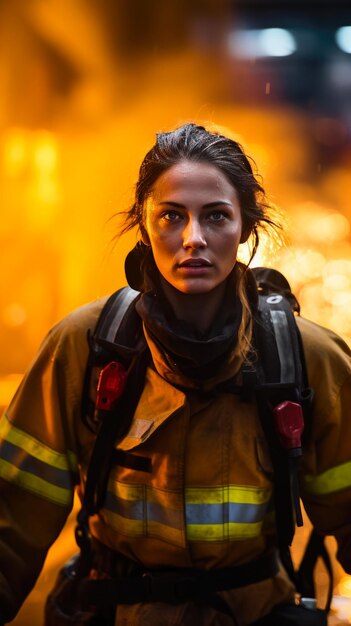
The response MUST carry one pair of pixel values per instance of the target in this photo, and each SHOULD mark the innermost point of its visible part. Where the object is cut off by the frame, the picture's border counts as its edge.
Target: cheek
(164, 240)
(229, 239)
(162, 250)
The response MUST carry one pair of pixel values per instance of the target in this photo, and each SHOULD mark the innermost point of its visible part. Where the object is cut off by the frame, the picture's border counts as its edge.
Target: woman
(202, 504)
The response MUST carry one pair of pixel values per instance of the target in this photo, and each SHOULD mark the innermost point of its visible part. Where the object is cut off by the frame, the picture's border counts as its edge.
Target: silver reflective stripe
(125, 298)
(282, 335)
(235, 512)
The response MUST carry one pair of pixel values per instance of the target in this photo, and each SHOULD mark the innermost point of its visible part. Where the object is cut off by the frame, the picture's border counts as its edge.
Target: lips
(195, 263)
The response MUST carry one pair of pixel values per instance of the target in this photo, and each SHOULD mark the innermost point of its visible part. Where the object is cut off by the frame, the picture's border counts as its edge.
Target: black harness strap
(282, 367)
(118, 332)
(279, 377)
(109, 326)
(315, 549)
(112, 425)
(177, 585)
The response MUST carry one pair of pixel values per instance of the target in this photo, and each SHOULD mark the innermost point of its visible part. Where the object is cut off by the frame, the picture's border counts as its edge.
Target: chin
(196, 289)
(193, 287)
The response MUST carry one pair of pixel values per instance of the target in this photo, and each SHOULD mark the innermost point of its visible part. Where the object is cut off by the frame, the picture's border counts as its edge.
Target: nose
(193, 235)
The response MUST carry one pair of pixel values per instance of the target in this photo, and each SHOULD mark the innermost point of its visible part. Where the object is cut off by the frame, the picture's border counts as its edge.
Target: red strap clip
(289, 422)
(111, 385)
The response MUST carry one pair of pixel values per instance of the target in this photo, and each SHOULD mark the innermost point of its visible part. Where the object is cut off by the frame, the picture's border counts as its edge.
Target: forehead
(195, 178)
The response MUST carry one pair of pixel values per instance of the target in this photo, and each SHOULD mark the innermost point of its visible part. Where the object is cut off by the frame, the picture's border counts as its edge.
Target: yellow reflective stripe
(35, 448)
(229, 512)
(127, 492)
(133, 528)
(143, 510)
(36, 485)
(219, 532)
(129, 527)
(171, 535)
(219, 513)
(229, 493)
(330, 481)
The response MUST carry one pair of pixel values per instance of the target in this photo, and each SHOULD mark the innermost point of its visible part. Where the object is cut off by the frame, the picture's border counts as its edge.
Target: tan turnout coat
(206, 503)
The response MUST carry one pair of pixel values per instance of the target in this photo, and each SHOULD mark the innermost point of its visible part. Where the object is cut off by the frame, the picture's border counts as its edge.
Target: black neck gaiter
(198, 356)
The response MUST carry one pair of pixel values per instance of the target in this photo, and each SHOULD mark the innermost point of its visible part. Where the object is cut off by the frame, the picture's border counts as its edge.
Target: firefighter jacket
(205, 499)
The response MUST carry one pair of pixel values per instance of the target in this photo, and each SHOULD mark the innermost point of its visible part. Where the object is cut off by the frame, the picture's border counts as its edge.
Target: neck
(199, 310)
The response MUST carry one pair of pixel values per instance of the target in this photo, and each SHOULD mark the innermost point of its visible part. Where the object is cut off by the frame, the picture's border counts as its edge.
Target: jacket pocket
(144, 511)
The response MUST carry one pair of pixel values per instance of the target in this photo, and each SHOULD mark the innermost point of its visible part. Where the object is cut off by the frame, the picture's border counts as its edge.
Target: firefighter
(189, 499)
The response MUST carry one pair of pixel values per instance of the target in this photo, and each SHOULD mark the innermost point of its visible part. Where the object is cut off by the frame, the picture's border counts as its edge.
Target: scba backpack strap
(280, 387)
(285, 403)
(118, 351)
(117, 334)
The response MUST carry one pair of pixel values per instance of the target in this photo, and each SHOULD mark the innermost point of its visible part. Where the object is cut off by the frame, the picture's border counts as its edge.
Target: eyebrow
(209, 205)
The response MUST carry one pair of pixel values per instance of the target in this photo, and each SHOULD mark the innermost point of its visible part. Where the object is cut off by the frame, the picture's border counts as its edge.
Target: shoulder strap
(124, 342)
(282, 375)
(276, 334)
(279, 379)
(118, 332)
(110, 327)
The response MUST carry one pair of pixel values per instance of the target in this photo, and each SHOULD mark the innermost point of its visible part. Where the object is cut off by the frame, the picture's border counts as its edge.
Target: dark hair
(196, 143)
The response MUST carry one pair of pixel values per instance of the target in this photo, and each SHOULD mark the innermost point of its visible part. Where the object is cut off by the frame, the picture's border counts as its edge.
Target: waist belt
(175, 586)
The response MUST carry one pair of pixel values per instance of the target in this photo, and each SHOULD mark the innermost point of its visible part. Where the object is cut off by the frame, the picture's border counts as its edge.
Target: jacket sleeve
(38, 460)
(326, 482)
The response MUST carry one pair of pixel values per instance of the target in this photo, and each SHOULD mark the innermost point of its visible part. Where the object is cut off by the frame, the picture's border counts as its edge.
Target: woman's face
(193, 224)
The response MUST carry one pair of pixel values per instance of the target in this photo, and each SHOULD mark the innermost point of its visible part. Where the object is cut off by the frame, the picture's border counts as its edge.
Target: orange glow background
(84, 87)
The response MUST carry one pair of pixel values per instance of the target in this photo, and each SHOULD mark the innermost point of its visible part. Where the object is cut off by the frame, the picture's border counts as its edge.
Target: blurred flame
(344, 586)
(34, 154)
(14, 315)
(340, 611)
(328, 228)
(14, 153)
(45, 154)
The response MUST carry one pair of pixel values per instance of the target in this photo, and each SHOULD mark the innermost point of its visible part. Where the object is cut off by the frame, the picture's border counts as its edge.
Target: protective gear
(206, 501)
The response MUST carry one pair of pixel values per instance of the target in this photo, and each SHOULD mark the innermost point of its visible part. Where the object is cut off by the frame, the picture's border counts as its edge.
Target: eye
(171, 216)
(217, 216)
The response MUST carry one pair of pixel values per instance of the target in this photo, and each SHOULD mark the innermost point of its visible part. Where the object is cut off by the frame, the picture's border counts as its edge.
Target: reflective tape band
(129, 527)
(35, 484)
(227, 493)
(219, 532)
(34, 466)
(142, 510)
(228, 512)
(283, 342)
(330, 481)
(211, 514)
(145, 528)
(35, 447)
(27, 463)
(225, 512)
